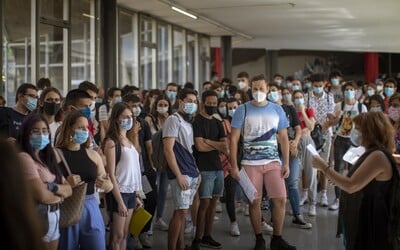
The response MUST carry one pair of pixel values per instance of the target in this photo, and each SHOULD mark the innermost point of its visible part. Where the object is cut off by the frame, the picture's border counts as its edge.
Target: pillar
(271, 63)
(218, 62)
(109, 26)
(226, 51)
(371, 66)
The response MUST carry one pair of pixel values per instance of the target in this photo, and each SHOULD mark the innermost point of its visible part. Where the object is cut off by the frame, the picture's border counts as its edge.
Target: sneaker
(161, 225)
(136, 243)
(189, 228)
(260, 244)
(299, 221)
(235, 229)
(218, 207)
(209, 242)
(334, 205)
(145, 241)
(266, 228)
(280, 244)
(195, 244)
(304, 198)
(312, 210)
(239, 208)
(324, 199)
(246, 210)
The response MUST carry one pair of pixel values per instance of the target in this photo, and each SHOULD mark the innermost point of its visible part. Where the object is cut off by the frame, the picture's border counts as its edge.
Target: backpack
(316, 134)
(158, 156)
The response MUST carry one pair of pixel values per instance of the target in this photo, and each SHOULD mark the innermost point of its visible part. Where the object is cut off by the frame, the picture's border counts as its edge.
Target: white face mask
(242, 85)
(379, 88)
(259, 96)
(136, 111)
(162, 110)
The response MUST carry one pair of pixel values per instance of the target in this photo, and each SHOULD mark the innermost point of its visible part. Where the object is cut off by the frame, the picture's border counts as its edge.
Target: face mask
(394, 113)
(349, 94)
(171, 95)
(278, 81)
(221, 94)
(379, 88)
(273, 96)
(87, 112)
(299, 101)
(99, 100)
(376, 109)
(370, 92)
(287, 98)
(210, 110)
(117, 99)
(335, 82)
(190, 108)
(222, 111)
(51, 108)
(39, 141)
(296, 87)
(136, 111)
(308, 85)
(242, 85)
(80, 136)
(93, 106)
(289, 85)
(259, 96)
(162, 110)
(318, 90)
(31, 104)
(231, 112)
(126, 124)
(389, 91)
(355, 137)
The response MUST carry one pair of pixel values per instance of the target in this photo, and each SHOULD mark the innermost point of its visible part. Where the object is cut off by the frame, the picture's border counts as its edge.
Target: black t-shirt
(144, 136)
(293, 119)
(10, 122)
(211, 129)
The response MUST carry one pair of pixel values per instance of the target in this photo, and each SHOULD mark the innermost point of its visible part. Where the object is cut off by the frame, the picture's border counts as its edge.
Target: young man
(93, 91)
(344, 113)
(335, 78)
(171, 92)
(243, 80)
(264, 124)
(11, 118)
(209, 140)
(114, 96)
(182, 168)
(390, 89)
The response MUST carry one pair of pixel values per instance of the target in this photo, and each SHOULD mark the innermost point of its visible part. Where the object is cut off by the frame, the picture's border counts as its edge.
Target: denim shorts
(183, 198)
(212, 184)
(54, 223)
(128, 198)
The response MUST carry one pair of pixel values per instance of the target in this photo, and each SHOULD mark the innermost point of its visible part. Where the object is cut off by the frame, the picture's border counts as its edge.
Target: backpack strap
(118, 151)
(153, 121)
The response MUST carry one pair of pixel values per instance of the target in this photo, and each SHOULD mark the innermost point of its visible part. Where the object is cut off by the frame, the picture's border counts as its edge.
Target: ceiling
(336, 25)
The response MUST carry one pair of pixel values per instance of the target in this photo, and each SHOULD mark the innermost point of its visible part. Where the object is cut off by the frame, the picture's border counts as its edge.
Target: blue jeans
(162, 184)
(292, 183)
(212, 184)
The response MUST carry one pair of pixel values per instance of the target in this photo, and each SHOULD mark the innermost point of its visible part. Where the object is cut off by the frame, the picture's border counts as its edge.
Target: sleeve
(147, 131)
(295, 117)
(28, 167)
(171, 127)
(310, 113)
(331, 105)
(197, 132)
(283, 121)
(103, 116)
(221, 129)
(238, 117)
(364, 108)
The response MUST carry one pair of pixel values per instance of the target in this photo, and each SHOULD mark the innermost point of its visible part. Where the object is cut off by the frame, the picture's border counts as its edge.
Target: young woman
(87, 165)
(48, 186)
(50, 107)
(309, 174)
(125, 173)
(159, 113)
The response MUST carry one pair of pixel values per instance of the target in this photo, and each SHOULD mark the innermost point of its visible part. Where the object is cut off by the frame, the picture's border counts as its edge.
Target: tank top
(80, 164)
(127, 172)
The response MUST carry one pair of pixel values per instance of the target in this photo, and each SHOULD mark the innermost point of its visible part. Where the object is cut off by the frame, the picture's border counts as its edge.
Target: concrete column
(226, 53)
(271, 63)
(109, 33)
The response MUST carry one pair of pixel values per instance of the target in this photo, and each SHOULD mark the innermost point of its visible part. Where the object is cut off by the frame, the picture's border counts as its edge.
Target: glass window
(16, 47)
(55, 9)
(51, 54)
(146, 30)
(190, 58)
(163, 56)
(204, 56)
(128, 62)
(147, 67)
(178, 57)
(83, 41)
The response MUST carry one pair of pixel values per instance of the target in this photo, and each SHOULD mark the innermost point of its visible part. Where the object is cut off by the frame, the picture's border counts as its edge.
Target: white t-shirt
(53, 128)
(349, 112)
(103, 115)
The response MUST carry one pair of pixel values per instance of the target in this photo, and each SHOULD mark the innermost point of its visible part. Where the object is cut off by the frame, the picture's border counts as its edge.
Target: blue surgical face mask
(299, 101)
(31, 104)
(222, 111)
(349, 94)
(126, 124)
(308, 85)
(231, 112)
(39, 141)
(136, 111)
(375, 109)
(190, 108)
(117, 99)
(87, 112)
(318, 90)
(80, 136)
(296, 87)
(171, 95)
(287, 97)
(389, 91)
(370, 92)
(355, 137)
(335, 81)
(273, 96)
(289, 85)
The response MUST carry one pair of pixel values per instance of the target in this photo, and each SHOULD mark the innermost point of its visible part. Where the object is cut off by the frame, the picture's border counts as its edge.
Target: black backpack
(316, 134)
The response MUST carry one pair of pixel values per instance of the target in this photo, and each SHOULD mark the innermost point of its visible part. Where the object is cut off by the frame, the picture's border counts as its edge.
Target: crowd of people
(208, 140)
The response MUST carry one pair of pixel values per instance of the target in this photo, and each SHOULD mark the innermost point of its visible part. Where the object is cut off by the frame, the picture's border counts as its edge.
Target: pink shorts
(270, 176)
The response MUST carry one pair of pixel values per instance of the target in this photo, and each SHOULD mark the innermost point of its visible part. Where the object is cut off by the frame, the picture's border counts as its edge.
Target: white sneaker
(161, 225)
(323, 199)
(218, 207)
(235, 229)
(334, 205)
(299, 221)
(136, 243)
(145, 241)
(312, 210)
(304, 198)
(266, 228)
(239, 208)
(189, 228)
(246, 210)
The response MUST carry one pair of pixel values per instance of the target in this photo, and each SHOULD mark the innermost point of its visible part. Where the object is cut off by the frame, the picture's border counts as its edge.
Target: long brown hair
(114, 130)
(376, 130)
(66, 131)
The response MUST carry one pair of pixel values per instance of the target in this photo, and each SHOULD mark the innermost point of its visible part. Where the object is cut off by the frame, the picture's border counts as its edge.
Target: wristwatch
(52, 187)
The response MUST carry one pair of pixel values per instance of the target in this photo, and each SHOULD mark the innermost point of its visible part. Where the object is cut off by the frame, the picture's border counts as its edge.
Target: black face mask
(51, 108)
(210, 110)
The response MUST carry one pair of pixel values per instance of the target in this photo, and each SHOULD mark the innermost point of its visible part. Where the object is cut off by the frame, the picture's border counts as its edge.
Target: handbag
(71, 208)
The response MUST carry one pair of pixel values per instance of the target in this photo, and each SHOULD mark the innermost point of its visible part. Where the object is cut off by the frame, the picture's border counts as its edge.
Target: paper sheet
(247, 186)
(352, 155)
(312, 150)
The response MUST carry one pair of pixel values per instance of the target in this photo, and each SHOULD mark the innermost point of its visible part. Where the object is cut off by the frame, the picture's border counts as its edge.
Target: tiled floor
(321, 236)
